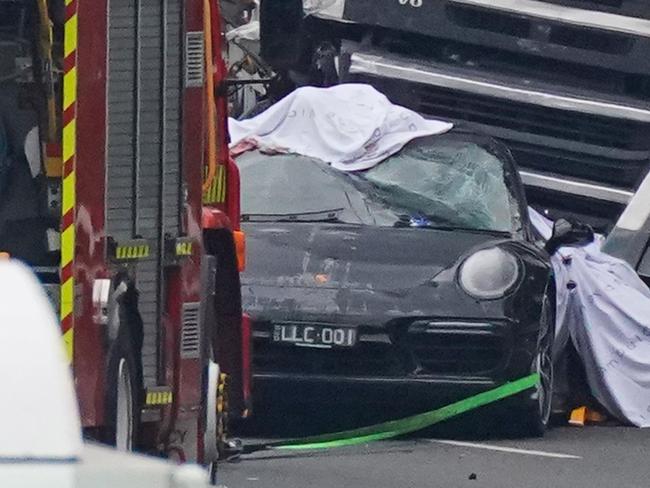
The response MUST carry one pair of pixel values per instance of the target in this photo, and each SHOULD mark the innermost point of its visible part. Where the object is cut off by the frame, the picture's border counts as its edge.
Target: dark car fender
(537, 280)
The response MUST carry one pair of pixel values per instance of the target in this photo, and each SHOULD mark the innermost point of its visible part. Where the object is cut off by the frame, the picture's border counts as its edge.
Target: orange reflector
(240, 249)
(578, 417)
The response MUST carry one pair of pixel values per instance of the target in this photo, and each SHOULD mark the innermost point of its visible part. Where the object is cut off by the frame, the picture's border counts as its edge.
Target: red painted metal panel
(183, 284)
(90, 264)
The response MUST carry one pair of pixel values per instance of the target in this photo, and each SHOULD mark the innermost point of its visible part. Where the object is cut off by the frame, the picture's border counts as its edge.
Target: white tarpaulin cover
(353, 127)
(603, 306)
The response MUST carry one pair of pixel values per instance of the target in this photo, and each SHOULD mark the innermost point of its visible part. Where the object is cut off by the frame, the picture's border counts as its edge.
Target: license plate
(315, 335)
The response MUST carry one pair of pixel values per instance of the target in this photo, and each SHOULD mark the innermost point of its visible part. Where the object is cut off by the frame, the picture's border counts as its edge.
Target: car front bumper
(415, 362)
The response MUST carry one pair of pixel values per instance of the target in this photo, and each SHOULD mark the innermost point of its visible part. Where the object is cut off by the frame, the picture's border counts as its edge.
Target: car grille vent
(461, 354)
(190, 336)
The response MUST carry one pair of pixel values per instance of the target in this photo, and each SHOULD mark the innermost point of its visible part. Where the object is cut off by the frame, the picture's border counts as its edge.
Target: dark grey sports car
(421, 278)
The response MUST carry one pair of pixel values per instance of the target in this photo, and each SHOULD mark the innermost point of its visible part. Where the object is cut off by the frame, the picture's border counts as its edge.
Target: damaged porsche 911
(421, 278)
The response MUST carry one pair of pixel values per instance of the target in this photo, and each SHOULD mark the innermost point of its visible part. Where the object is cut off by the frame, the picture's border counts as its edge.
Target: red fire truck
(115, 186)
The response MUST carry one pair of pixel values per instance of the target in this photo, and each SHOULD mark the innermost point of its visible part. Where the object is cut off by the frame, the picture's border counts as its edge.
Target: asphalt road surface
(593, 457)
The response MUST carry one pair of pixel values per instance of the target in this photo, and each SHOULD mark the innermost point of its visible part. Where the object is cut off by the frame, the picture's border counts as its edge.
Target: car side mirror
(567, 233)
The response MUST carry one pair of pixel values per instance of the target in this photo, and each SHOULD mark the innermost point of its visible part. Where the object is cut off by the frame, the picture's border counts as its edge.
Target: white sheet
(604, 308)
(351, 126)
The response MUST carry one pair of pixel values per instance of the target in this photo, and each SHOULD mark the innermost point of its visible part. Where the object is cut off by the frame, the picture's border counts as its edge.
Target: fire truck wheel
(123, 406)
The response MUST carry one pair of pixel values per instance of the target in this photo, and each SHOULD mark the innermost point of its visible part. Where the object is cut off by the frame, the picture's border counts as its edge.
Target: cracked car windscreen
(432, 182)
(449, 182)
(290, 187)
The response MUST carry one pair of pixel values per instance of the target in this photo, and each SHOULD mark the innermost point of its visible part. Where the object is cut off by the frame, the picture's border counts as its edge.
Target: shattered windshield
(290, 187)
(433, 182)
(449, 181)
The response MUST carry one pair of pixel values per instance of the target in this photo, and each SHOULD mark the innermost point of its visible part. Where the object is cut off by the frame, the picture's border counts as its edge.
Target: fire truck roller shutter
(143, 155)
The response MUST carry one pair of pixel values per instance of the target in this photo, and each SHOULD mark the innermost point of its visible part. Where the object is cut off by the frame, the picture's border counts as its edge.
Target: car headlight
(489, 273)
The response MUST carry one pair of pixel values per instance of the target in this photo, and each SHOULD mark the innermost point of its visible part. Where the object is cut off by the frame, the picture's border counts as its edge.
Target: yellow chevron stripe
(69, 140)
(68, 342)
(184, 248)
(69, 88)
(159, 397)
(217, 191)
(133, 252)
(67, 298)
(69, 192)
(67, 246)
(69, 148)
(223, 184)
(217, 186)
(70, 40)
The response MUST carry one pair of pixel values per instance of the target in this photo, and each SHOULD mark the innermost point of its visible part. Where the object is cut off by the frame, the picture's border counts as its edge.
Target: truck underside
(566, 84)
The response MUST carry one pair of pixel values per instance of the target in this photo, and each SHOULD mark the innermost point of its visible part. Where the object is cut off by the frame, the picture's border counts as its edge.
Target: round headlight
(489, 273)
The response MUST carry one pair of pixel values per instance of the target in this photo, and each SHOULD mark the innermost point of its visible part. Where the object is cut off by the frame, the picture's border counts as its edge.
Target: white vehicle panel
(42, 419)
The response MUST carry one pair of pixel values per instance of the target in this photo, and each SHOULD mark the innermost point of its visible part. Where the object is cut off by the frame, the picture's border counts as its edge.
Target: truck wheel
(537, 417)
(213, 435)
(123, 394)
(124, 416)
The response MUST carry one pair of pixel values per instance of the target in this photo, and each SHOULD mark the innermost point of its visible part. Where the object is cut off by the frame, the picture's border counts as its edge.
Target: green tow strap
(396, 428)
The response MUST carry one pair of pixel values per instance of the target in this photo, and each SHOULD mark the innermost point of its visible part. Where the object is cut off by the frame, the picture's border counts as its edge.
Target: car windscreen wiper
(331, 215)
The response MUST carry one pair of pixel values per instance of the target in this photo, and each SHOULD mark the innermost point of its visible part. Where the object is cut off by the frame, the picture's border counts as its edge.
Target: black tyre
(537, 416)
(123, 393)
